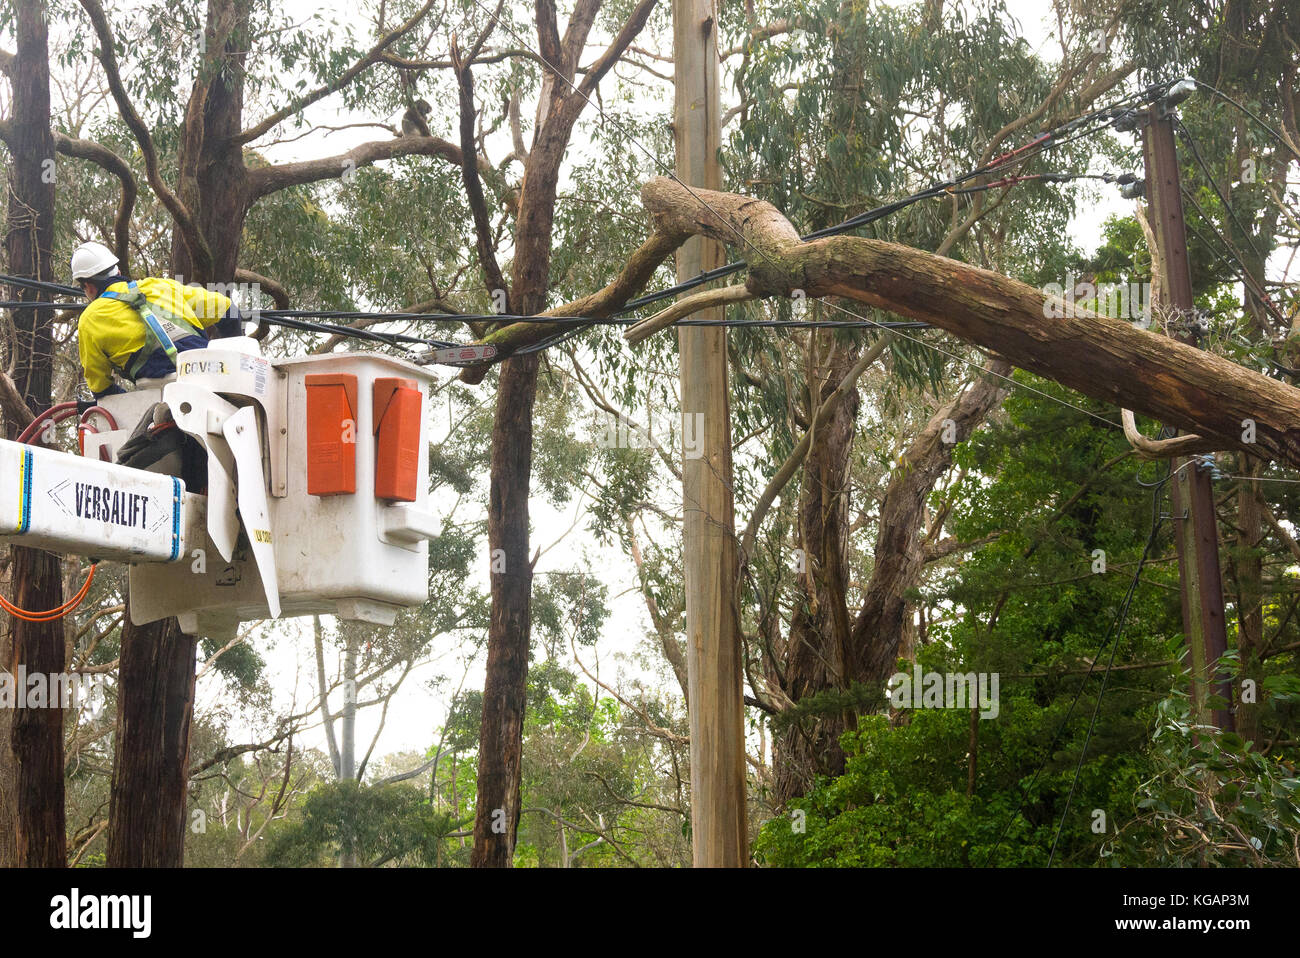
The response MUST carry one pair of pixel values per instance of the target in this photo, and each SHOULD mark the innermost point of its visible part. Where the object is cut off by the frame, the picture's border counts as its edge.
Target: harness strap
(160, 330)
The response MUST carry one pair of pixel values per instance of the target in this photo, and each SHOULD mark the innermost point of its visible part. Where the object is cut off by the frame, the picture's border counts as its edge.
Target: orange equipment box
(331, 434)
(397, 438)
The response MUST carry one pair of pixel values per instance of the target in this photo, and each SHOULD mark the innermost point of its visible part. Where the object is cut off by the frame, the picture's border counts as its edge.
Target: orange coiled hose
(56, 413)
(52, 614)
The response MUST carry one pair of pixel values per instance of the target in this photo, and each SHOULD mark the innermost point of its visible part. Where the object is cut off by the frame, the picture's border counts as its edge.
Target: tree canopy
(931, 472)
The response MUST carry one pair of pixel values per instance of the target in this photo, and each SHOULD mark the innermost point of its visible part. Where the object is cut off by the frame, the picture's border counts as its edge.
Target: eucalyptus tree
(839, 108)
(208, 199)
(918, 79)
(35, 735)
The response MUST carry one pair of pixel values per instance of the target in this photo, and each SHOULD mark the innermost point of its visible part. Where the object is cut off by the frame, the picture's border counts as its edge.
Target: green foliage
(859, 103)
(1211, 800)
(1039, 481)
(388, 824)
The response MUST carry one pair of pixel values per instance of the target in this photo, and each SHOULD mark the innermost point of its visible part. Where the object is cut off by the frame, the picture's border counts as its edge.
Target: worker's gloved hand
(231, 324)
(112, 390)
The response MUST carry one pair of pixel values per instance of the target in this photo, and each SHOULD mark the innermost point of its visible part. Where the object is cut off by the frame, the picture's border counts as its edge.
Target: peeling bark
(818, 652)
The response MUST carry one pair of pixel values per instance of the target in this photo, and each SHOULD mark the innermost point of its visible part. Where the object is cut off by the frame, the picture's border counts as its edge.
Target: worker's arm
(210, 308)
(94, 361)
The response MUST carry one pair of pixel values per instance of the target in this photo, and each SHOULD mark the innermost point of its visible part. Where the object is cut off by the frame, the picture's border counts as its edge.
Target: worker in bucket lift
(136, 328)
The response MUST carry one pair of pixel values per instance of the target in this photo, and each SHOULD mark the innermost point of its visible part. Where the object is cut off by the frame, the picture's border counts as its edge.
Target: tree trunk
(146, 816)
(212, 179)
(877, 639)
(36, 734)
(496, 814)
(817, 650)
(824, 651)
(497, 809)
(150, 779)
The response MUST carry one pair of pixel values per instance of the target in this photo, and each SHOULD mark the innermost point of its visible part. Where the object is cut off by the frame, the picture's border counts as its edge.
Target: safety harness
(162, 327)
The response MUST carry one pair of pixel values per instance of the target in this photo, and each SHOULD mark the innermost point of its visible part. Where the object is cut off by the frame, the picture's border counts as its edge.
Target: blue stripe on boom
(25, 510)
(177, 492)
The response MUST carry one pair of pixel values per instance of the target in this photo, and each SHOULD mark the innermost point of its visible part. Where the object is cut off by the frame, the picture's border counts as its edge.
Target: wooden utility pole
(1195, 528)
(714, 675)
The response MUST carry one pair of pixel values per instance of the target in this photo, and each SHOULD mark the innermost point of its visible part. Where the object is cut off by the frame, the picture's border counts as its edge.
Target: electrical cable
(292, 318)
(1110, 113)
(1219, 93)
(1018, 156)
(22, 282)
(852, 223)
(280, 317)
(1186, 134)
(1242, 273)
(54, 414)
(51, 615)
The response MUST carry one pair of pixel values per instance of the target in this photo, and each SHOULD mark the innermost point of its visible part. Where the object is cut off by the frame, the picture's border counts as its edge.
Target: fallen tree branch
(1095, 355)
(640, 267)
(1153, 449)
(688, 306)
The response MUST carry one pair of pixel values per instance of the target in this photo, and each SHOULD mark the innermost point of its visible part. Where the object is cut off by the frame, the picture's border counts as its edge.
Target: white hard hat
(91, 259)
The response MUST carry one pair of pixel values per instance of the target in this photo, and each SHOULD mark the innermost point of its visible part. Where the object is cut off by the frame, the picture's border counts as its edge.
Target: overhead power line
(1223, 96)
(309, 320)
